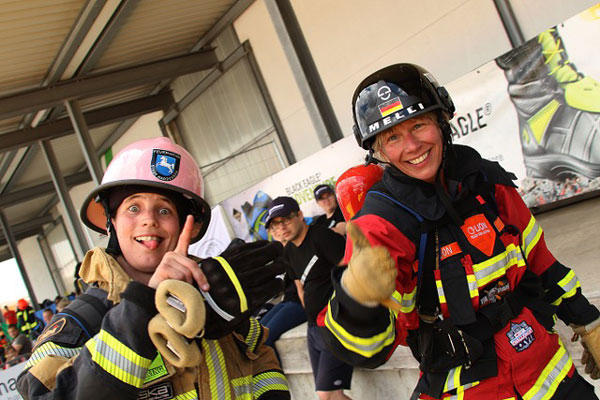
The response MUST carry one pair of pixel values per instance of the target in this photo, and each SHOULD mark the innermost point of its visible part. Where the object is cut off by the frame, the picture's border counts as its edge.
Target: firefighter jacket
(495, 285)
(99, 348)
(28, 323)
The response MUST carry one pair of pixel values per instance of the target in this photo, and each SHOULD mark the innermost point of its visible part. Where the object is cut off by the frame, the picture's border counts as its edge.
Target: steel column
(12, 244)
(305, 71)
(85, 141)
(63, 194)
(511, 25)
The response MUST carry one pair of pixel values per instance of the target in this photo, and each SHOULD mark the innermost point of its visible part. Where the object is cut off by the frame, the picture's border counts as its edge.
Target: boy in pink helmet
(150, 204)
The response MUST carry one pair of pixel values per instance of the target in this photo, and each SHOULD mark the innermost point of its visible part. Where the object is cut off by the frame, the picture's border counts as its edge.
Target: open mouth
(151, 242)
(419, 160)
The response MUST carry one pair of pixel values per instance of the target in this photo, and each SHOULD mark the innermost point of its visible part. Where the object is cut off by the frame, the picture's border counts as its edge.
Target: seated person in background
(288, 313)
(20, 343)
(333, 217)
(47, 314)
(62, 304)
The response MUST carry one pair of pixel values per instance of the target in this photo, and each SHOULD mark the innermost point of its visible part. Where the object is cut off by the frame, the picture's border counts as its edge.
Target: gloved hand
(590, 340)
(371, 274)
(241, 281)
(181, 315)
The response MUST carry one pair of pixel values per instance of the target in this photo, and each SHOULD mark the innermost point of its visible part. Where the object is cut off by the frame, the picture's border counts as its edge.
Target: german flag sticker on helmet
(165, 164)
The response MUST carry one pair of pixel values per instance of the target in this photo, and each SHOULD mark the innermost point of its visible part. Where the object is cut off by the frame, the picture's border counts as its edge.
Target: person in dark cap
(312, 252)
(333, 217)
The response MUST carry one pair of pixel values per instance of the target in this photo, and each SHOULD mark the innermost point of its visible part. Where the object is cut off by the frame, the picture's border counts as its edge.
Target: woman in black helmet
(466, 277)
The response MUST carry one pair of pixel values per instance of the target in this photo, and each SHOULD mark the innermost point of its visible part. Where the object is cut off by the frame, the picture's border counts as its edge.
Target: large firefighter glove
(590, 340)
(175, 348)
(182, 306)
(241, 281)
(371, 274)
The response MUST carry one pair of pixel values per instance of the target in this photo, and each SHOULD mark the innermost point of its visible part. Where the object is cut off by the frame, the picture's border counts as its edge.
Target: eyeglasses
(275, 225)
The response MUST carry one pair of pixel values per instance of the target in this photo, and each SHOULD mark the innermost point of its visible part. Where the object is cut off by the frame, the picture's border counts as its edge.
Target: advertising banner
(8, 382)
(535, 110)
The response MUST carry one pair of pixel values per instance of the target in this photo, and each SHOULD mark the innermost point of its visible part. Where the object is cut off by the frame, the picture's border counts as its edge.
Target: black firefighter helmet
(394, 94)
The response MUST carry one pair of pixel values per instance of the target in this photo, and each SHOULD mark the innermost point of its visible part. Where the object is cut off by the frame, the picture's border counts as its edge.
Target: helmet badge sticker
(384, 93)
(165, 164)
(390, 106)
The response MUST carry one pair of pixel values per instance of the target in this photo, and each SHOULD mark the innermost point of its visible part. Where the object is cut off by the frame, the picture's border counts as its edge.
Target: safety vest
(27, 321)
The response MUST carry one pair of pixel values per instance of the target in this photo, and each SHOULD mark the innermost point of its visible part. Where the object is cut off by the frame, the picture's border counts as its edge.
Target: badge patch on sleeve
(53, 329)
(165, 164)
(520, 336)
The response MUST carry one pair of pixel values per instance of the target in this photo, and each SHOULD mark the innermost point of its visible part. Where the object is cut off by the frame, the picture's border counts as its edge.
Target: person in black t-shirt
(313, 251)
(286, 314)
(333, 217)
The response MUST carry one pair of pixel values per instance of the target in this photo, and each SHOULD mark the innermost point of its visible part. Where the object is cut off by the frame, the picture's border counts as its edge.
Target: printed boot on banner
(558, 109)
(256, 215)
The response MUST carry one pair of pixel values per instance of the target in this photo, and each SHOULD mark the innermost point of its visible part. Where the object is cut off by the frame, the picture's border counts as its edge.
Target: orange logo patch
(450, 250)
(480, 233)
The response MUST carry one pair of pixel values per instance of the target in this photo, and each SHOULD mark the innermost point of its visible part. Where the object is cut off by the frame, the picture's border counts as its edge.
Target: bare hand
(176, 264)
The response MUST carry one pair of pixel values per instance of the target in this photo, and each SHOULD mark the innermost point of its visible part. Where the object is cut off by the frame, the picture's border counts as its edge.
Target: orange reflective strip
(499, 224)
(450, 250)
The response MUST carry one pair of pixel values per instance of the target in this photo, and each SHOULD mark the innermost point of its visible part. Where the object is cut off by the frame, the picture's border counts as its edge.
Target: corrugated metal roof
(43, 41)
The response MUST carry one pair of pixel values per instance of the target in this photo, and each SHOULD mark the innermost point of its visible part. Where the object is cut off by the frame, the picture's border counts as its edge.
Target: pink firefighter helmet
(156, 163)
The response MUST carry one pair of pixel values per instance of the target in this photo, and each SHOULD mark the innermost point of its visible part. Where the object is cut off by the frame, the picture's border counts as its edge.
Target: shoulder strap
(88, 310)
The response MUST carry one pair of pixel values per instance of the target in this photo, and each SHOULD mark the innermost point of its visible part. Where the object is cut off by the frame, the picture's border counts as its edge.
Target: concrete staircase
(394, 380)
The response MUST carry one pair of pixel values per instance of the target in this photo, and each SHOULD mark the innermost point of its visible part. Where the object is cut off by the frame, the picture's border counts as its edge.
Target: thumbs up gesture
(371, 274)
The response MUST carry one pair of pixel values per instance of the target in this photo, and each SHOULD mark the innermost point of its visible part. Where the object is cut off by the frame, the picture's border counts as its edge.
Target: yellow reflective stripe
(551, 376)
(408, 301)
(569, 284)
(251, 339)
(242, 387)
(531, 236)
(116, 365)
(440, 291)
(266, 381)
(217, 370)
(366, 347)
(453, 379)
(50, 348)
(191, 395)
(473, 286)
(496, 267)
(236, 283)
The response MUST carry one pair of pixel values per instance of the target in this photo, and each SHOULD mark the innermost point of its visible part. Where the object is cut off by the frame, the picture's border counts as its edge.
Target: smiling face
(147, 227)
(414, 146)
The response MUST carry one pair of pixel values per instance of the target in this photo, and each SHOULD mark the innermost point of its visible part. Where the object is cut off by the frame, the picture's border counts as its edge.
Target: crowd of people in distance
(22, 325)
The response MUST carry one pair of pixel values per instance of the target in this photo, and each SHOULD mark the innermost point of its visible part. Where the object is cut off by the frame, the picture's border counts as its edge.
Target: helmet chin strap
(113, 247)
(370, 159)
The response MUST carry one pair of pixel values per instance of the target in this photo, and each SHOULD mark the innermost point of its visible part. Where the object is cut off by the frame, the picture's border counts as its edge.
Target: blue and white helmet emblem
(165, 164)
(520, 336)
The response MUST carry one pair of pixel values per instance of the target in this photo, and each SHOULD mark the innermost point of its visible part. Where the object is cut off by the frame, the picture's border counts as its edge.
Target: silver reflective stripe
(571, 283)
(309, 266)
(117, 359)
(484, 275)
(217, 364)
(453, 374)
(50, 348)
(531, 236)
(211, 302)
(268, 381)
(242, 387)
(556, 375)
(253, 333)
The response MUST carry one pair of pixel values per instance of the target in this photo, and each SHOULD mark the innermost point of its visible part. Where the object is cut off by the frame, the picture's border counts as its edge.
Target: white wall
(36, 268)
(349, 39)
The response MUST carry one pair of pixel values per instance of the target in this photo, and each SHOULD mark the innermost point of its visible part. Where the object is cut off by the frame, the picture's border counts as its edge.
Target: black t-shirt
(311, 263)
(290, 292)
(332, 221)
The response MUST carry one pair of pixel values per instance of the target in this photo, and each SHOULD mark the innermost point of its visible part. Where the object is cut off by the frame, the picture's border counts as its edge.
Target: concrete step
(393, 380)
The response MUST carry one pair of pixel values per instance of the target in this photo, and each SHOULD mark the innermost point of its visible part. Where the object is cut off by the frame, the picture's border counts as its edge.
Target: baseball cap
(281, 207)
(322, 189)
